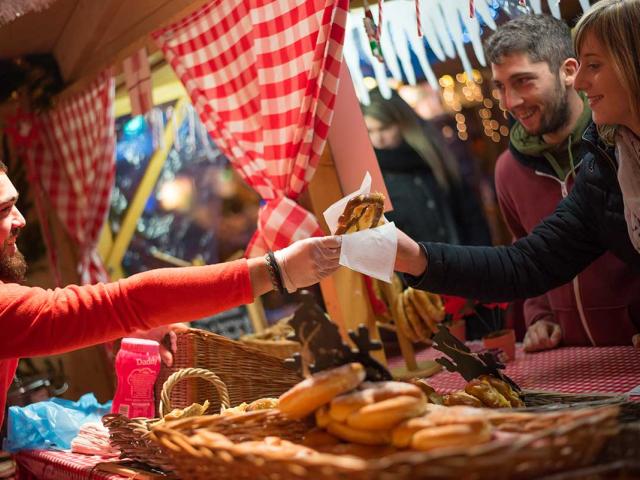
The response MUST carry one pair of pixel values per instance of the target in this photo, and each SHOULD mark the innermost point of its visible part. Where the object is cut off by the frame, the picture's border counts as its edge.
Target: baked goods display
(346, 427)
(485, 391)
(381, 414)
(415, 313)
(361, 212)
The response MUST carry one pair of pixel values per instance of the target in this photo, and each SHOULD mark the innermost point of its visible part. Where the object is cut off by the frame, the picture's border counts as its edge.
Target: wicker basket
(278, 348)
(131, 436)
(538, 400)
(575, 441)
(248, 372)
(619, 459)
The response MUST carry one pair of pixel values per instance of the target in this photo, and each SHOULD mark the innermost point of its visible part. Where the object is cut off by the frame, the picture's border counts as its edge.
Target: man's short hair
(543, 37)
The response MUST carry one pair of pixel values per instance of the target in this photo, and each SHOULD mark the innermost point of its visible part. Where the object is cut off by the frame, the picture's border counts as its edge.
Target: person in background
(602, 211)
(534, 69)
(36, 322)
(430, 201)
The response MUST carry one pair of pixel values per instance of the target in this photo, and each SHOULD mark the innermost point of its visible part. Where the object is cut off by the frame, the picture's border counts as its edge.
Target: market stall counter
(60, 465)
(569, 370)
(612, 370)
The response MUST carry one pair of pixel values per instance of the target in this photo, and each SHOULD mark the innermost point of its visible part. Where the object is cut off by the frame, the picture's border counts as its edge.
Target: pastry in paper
(361, 212)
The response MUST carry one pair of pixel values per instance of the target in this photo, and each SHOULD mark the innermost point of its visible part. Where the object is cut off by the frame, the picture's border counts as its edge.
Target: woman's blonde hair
(395, 111)
(616, 25)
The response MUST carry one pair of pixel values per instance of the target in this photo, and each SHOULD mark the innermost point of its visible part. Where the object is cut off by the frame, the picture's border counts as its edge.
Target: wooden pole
(136, 207)
(344, 292)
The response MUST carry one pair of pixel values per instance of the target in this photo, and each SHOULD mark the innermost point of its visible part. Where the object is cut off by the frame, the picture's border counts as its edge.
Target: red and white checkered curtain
(263, 77)
(73, 163)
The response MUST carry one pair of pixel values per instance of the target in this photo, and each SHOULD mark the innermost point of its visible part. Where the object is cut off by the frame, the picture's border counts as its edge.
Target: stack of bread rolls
(380, 413)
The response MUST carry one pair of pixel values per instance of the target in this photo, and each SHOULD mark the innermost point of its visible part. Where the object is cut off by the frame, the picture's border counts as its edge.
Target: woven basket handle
(167, 388)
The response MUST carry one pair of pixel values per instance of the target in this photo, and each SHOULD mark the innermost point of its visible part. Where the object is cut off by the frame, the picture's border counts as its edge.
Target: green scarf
(535, 146)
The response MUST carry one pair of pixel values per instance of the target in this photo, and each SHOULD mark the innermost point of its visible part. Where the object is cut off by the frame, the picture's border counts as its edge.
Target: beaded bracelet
(274, 272)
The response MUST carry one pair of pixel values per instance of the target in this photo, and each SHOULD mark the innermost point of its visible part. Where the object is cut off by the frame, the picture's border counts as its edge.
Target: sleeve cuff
(417, 281)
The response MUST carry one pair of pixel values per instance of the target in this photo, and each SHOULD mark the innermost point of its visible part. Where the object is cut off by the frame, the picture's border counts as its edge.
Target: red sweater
(601, 306)
(42, 322)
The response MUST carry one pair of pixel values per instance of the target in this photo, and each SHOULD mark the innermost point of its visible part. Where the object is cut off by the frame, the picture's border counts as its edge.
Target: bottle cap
(140, 345)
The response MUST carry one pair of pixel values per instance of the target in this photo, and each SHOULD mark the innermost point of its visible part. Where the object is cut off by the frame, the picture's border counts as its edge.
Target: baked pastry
(429, 306)
(428, 391)
(476, 428)
(505, 390)
(193, 410)
(403, 433)
(237, 410)
(420, 325)
(262, 404)
(487, 394)
(369, 393)
(322, 416)
(386, 414)
(456, 435)
(461, 398)
(360, 213)
(356, 435)
(310, 394)
(417, 314)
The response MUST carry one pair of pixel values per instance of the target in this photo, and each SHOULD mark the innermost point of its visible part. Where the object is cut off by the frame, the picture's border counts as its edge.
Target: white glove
(308, 261)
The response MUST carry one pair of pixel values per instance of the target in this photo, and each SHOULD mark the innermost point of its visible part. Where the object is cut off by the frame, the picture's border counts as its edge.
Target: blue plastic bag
(52, 423)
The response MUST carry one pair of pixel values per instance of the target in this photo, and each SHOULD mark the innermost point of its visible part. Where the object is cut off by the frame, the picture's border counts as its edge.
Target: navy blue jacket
(586, 223)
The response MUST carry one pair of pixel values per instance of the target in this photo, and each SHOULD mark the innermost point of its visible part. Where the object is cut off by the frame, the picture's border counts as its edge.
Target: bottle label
(136, 379)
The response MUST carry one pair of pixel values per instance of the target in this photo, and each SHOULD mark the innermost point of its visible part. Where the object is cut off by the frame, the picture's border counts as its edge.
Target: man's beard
(13, 268)
(556, 111)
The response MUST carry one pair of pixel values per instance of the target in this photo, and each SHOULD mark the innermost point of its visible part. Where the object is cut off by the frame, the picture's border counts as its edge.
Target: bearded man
(36, 321)
(534, 68)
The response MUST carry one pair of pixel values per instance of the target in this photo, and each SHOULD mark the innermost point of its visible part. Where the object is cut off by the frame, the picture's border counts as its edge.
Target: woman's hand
(308, 261)
(542, 335)
(636, 340)
(410, 258)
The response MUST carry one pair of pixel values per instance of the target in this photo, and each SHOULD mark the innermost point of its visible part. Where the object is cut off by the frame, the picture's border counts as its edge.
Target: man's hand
(542, 335)
(410, 258)
(158, 334)
(308, 261)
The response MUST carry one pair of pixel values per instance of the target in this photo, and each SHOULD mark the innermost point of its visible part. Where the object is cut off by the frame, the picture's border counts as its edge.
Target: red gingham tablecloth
(567, 370)
(59, 465)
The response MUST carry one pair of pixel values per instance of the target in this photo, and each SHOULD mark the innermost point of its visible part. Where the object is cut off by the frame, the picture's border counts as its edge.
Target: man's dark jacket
(587, 223)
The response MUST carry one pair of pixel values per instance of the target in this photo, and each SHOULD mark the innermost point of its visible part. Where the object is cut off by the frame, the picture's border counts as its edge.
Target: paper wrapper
(372, 251)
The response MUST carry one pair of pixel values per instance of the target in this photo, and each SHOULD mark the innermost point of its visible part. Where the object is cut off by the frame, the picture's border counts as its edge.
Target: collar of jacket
(532, 150)
(598, 147)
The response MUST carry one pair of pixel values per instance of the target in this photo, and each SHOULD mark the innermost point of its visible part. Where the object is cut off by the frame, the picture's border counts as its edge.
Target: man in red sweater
(35, 321)
(534, 68)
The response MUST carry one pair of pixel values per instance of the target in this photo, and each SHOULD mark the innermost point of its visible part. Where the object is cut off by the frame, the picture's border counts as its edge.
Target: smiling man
(534, 70)
(12, 264)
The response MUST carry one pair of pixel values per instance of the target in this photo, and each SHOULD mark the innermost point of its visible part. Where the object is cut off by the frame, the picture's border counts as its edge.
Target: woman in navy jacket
(597, 216)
